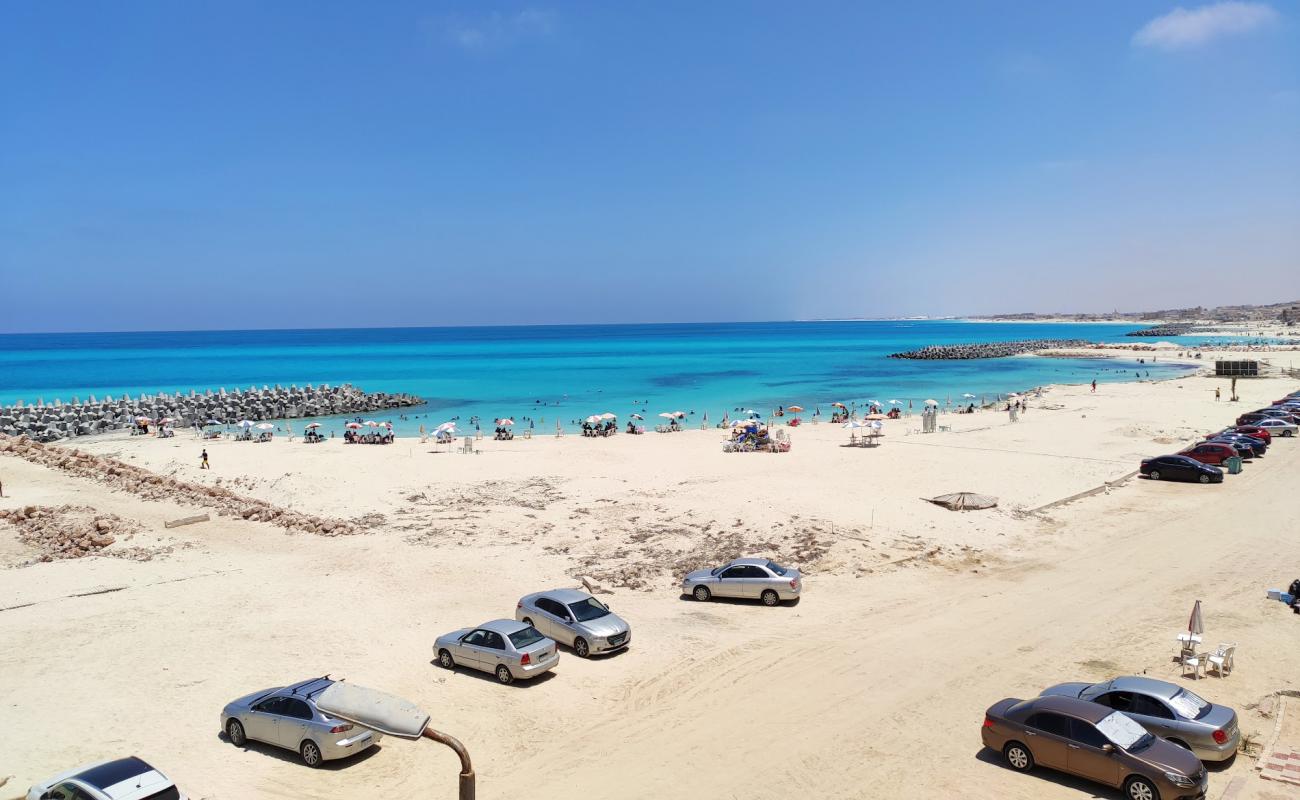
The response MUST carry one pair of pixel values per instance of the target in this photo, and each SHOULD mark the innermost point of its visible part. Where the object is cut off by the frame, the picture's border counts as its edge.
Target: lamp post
(393, 716)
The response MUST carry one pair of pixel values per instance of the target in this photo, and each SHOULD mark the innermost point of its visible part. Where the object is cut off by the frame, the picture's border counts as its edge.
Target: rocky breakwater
(963, 352)
(61, 420)
(151, 486)
(1170, 329)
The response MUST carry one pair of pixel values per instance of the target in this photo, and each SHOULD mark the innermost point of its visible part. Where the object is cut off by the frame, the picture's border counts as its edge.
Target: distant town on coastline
(1288, 313)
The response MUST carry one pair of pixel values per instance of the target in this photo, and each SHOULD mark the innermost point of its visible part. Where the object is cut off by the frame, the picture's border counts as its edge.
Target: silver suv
(288, 717)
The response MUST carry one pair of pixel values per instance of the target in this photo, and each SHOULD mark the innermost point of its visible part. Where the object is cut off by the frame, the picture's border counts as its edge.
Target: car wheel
(527, 621)
(1205, 479)
(310, 754)
(1288, 433)
(770, 598)
(503, 675)
(236, 733)
(1155, 475)
(1136, 788)
(702, 593)
(581, 648)
(1018, 757)
(445, 660)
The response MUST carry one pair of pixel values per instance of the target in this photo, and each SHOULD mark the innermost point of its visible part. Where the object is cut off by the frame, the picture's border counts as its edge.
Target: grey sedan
(1167, 710)
(288, 717)
(754, 578)
(576, 619)
(506, 648)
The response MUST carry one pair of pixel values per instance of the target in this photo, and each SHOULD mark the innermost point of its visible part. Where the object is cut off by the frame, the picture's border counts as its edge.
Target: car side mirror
(1108, 749)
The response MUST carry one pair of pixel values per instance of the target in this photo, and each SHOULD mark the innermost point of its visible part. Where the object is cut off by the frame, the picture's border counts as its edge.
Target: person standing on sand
(1216, 394)
(204, 463)
(1094, 385)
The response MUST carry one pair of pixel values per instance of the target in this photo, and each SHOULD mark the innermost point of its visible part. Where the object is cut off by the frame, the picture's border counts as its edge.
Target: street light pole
(466, 768)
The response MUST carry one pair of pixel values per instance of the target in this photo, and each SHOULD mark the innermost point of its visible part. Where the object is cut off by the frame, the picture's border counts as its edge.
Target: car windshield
(525, 637)
(1188, 705)
(776, 568)
(1124, 732)
(588, 609)
(170, 793)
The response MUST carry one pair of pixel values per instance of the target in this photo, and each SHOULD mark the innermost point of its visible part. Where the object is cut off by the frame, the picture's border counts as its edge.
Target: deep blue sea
(567, 372)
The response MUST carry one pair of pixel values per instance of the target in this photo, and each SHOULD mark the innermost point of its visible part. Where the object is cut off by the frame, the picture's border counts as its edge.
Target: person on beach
(1216, 394)
(1094, 385)
(203, 464)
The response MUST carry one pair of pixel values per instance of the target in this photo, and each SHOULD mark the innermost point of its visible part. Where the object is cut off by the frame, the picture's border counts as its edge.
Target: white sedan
(123, 779)
(1277, 427)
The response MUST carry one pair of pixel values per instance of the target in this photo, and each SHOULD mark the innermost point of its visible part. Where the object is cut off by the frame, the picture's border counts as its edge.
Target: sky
(168, 166)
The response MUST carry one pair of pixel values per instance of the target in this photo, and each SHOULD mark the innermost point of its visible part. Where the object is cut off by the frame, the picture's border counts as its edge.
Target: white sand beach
(915, 618)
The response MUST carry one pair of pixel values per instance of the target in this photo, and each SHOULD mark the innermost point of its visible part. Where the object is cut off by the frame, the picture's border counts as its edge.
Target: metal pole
(466, 769)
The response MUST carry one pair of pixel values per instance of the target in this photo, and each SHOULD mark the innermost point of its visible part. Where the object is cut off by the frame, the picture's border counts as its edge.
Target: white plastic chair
(1221, 659)
(1196, 661)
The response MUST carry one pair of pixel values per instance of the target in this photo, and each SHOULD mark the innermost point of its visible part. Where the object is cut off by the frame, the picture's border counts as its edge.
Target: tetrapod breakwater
(59, 420)
(961, 352)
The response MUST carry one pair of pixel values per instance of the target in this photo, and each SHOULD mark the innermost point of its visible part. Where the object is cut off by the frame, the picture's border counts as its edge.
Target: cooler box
(1274, 594)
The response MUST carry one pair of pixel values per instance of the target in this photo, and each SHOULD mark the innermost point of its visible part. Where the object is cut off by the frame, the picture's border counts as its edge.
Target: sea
(541, 376)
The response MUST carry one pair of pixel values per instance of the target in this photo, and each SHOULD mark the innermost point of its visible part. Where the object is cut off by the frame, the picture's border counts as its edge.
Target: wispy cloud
(497, 30)
(1185, 28)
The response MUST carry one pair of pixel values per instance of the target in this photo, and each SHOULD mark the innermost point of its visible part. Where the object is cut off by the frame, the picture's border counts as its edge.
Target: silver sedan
(288, 718)
(749, 578)
(576, 619)
(508, 649)
(1167, 710)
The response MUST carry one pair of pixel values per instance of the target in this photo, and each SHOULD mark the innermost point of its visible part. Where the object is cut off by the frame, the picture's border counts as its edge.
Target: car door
(493, 651)
(558, 620)
(471, 649)
(67, 791)
(1046, 736)
(756, 580)
(261, 721)
(731, 582)
(1084, 755)
(294, 723)
(1153, 715)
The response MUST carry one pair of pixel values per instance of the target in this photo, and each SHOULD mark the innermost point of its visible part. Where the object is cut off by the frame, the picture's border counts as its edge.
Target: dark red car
(1255, 431)
(1210, 452)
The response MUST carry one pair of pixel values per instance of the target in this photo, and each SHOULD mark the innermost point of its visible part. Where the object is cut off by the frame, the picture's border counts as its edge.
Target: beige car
(1094, 742)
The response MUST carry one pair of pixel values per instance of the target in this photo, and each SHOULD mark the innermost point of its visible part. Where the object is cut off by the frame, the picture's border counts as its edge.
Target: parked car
(1210, 731)
(1179, 468)
(1278, 427)
(575, 619)
(123, 779)
(1282, 414)
(1210, 452)
(756, 578)
(1094, 742)
(1244, 450)
(287, 717)
(1253, 431)
(509, 649)
(1257, 446)
(1251, 418)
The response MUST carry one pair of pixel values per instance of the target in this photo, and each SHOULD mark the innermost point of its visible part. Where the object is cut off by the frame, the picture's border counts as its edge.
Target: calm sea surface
(564, 372)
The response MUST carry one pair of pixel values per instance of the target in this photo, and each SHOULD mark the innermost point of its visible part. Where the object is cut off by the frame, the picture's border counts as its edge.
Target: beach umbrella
(795, 409)
(371, 423)
(264, 426)
(506, 421)
(310, 425)
(874, 416)
(593, 419)
(853, 423)
(895, 402)
(932, 402)
(446, 427)
(637, 416)
(1013, 396)
(212, 422)
(963, 501)
(1196, 625)
(969, 396)
(838, 405)
(353, 426)
(244, 423)
(668, 415)
(607, 416)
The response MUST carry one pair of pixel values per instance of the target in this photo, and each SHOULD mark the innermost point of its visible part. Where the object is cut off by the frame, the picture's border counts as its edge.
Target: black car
(1258, 446)
(1180, 468)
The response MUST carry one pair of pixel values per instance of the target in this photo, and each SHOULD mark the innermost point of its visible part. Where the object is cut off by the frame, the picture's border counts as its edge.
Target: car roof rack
(294, 689)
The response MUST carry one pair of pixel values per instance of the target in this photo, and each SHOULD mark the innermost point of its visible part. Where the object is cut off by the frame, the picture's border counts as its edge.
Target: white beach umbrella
(895, 402)
(668, 415)
(595, 420)
(264, 426)
(371, 423)
(969, 396)
(637, 416)
(853, 423)
(446, 426)
(932, 402)
(608, 415)
(166, 421)
(244, 423)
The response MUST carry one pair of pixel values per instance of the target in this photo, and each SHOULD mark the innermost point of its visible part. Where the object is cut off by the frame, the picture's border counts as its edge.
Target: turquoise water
(564, 372)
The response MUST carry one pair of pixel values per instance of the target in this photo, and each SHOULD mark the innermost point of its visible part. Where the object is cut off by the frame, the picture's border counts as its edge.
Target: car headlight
(1180, 780)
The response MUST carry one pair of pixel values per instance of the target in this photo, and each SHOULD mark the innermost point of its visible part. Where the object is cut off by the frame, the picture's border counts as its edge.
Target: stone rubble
(47, 423)
(151, 486)
(961, 352)
(61, 532)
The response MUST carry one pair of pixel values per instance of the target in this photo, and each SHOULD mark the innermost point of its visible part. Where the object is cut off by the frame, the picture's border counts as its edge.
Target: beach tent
(963, 501)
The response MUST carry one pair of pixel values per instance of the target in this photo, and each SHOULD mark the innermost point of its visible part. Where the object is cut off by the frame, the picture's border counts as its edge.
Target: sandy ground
(914, 621)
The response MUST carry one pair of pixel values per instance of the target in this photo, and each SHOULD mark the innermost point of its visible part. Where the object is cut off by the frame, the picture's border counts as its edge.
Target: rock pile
(60, 532)
(961, 352)
(61, 420)
(1169, 329)
(151, 486)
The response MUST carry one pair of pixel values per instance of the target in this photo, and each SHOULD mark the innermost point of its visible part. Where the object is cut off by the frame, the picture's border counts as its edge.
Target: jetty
(964, 352)
(59, 420)
(1171, 329)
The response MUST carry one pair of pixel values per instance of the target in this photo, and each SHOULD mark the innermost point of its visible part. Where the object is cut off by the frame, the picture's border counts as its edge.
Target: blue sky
(240, 164)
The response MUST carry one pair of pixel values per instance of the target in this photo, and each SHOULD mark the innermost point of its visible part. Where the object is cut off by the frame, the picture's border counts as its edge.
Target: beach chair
(1194, 661)
(1221, 660)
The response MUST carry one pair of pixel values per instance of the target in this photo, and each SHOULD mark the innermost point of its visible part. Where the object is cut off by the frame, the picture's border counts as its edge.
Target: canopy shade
(373, 709)
(963, 501)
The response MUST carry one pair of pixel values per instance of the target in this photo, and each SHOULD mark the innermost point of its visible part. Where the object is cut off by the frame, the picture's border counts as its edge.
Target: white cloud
(497, 30)
(1184, 28)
